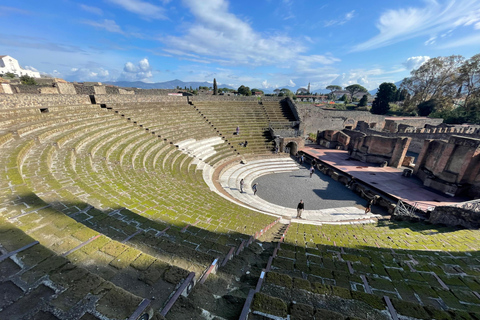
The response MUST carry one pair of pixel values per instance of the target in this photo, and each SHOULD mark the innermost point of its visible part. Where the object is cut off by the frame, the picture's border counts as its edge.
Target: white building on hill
(9, 64)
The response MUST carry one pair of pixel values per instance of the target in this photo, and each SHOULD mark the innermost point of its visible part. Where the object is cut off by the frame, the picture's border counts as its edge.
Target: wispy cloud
(93, 10)
(142, 8)
(219, 36)
(107, 24)
(347, 17)
(436, 16)
(9, 10)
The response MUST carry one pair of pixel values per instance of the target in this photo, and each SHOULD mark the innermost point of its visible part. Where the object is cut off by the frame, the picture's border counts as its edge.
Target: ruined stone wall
(48, 90)
(420, 135)
(112, 90)
(316, 119)
(222, 98)
(31, 89)
(453, 216)
(66, 88)
(394, 125)
(126, 98)
(81, 89)
(157, 92)
(8, 101)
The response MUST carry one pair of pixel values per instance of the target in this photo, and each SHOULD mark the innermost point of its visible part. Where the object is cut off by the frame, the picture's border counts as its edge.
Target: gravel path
(318, 192)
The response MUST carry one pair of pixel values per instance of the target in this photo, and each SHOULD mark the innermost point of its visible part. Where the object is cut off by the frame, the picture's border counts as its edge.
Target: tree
(363, 101)
(386, 93)
(26, 79)
(10, 75)
(257, 90)
(333, 88)
(438, 78)
(244, 90)
(285, 92)
(354, 88)
(344, 98)
(470, 78)
(427, 107)
(215, 89)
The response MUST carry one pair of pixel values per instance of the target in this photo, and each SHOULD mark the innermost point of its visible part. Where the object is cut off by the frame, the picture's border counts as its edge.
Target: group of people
(301, 204)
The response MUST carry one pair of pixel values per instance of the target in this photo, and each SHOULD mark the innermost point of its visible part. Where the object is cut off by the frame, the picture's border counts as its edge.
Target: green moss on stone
(300, 311)
(279, 279)
(327, 314)
(341, 292)
(410, 309)
(299, 283)
(269, 305)
(370, 299)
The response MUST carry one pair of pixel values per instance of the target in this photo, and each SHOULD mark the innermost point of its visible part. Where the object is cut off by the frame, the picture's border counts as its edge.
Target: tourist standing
(312, 171)
(241, 185)
(245, 143)
(302, 158)
(314, 162)
(300, 208)
(238, 130)
(255, 189)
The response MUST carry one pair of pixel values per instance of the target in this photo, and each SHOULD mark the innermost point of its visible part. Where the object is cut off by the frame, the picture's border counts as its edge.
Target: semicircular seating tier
(230, 181)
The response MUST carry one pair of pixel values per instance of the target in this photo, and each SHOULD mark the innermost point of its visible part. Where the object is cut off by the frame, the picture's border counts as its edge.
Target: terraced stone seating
(30, 272)
(375, 271)
(250, 117)
(115, 200)
(230, 181)
(278, 111)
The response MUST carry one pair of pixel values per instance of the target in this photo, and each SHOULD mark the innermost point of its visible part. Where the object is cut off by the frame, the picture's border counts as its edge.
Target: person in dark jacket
(300, 208)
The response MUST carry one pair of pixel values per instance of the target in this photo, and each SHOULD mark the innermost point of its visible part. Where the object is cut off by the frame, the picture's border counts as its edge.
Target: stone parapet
(8, 101)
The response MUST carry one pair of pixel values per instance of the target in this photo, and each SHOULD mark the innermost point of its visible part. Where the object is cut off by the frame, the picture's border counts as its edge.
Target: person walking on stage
(255, 189)
(241, 185)
(312, 171)
(300, 208)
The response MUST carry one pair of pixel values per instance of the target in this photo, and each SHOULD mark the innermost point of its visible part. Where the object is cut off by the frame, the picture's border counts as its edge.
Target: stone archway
(292, 147)
(349, 124)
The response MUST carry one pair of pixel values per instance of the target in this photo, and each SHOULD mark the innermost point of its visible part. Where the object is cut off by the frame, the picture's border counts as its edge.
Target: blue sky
(263, 44)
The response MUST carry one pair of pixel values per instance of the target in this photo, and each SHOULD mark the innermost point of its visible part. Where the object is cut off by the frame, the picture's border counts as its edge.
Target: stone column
(399, 152)
(421, 157)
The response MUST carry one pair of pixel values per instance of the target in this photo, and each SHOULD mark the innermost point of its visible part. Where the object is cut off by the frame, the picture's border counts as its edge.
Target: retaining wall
(23, 100)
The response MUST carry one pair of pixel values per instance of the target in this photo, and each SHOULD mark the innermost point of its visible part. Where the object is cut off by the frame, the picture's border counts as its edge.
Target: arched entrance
(292, 148)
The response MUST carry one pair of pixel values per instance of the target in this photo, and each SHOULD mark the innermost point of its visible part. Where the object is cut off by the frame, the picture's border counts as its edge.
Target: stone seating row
(37, 283)
(230, 181)
(370, 278)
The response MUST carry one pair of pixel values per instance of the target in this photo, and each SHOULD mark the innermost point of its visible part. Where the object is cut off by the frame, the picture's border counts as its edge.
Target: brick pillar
(422, 156)
(399, 152)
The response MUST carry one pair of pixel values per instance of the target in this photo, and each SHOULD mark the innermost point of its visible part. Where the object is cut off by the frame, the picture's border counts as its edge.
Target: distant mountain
(172, 84)
(374, 91)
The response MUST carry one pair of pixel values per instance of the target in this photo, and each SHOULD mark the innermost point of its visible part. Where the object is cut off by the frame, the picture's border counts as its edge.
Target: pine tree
(215, 89)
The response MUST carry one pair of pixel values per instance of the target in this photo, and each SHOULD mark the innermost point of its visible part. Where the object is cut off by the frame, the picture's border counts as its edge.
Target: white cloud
(93, 10)
(30, 68)
(415, 62)
(142, 8)
(338, 22)
(431, 40)
(291, 83)
(463, 41)
(219, 36)
(265, 84)
(402, 24)
(139, 72)
(88, 74)
(107, 24)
